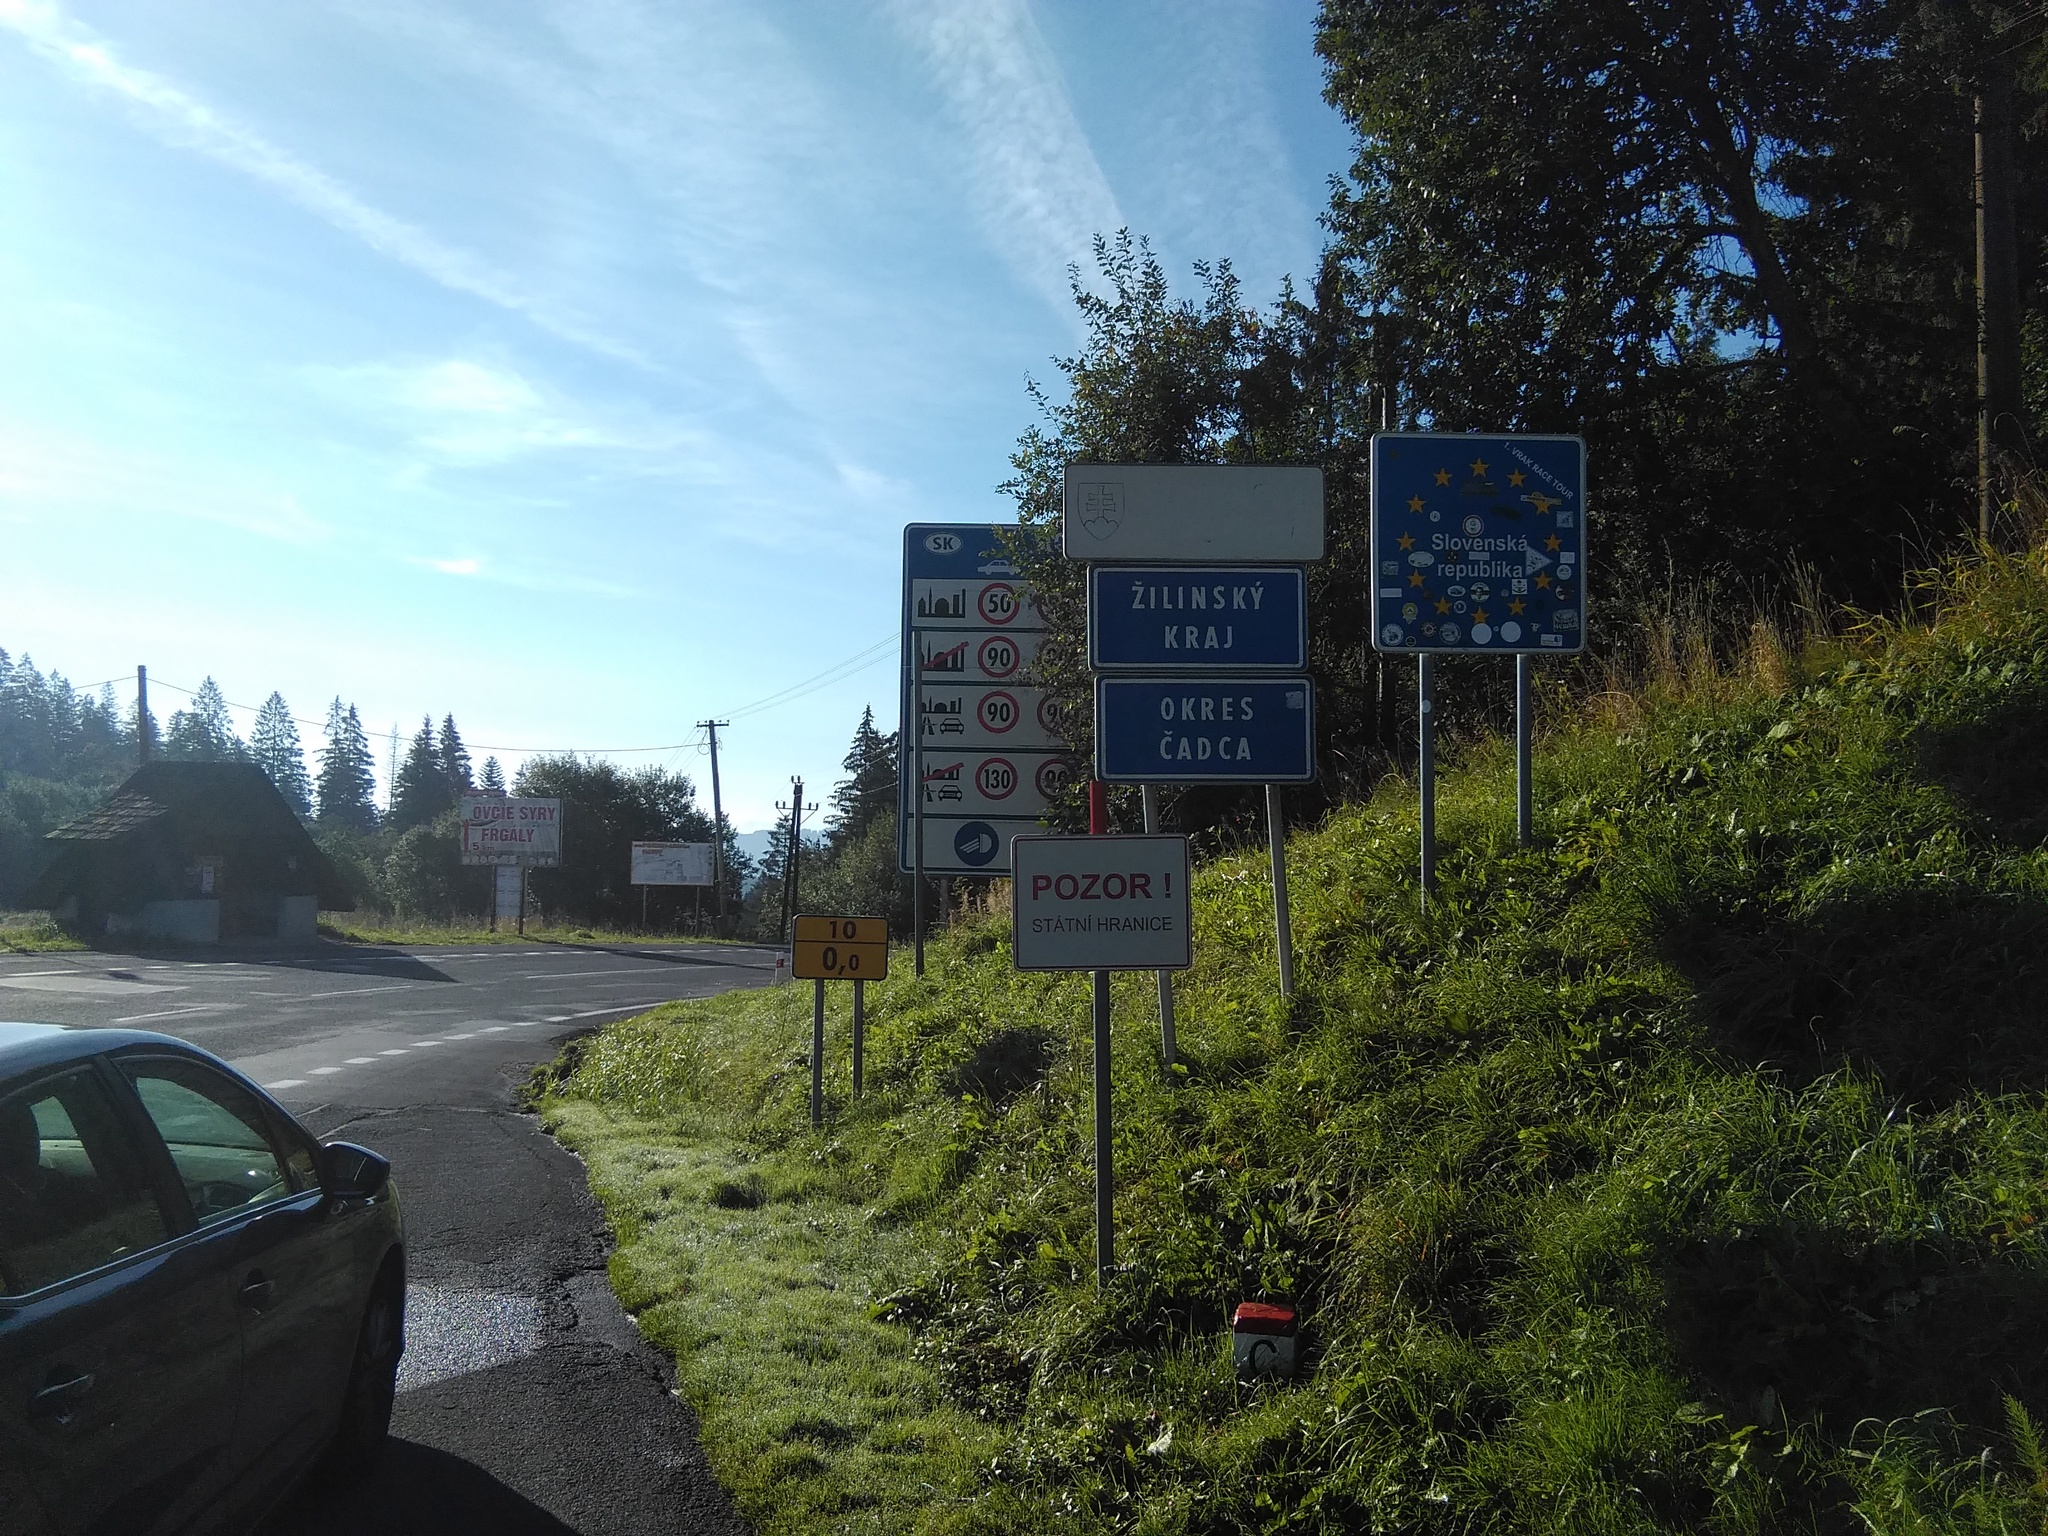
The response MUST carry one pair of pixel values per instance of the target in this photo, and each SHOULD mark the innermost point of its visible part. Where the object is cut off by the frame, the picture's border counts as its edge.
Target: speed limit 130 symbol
(997, 712)
(999, 656)
(996, 777)
(998, 603)
(1054, 775)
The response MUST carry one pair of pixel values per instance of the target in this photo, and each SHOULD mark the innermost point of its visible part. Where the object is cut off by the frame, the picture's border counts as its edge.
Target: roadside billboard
(671, 864)
(499, 829)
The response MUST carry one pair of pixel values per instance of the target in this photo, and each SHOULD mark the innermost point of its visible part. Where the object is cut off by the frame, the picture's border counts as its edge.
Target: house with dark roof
(196, 852)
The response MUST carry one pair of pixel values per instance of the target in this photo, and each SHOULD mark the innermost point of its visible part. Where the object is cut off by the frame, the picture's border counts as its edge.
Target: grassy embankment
(1686, 1172)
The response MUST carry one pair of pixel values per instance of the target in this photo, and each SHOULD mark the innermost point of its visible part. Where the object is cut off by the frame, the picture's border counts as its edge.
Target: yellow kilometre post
(854, 949)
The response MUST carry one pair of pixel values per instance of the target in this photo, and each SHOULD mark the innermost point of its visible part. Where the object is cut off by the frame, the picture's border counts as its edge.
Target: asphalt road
(528, 1402)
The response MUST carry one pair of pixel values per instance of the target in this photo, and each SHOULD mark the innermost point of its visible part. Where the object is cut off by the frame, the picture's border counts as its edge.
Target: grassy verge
(378, 928)
(1686, 1172)
(33, 933)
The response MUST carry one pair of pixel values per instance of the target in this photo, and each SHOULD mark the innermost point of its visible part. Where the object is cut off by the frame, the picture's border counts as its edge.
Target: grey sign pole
(1525, 725)
(1149, 793)
(818, 1054)
(917, 790)
(1105, 1184)
(1425, 772)
(860, 1028)
(1283, 931)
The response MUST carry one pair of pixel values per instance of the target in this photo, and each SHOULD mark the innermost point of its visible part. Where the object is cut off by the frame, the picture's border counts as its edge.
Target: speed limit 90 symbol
(1054, 775)
(999, 656)
(997, 712)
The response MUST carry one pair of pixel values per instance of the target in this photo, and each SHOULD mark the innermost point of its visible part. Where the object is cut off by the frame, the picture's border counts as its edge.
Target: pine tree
(455, 760)
(421, 791)
(348, 779)
(869, 789)
(205, 732)
(274, 746)
(492, 780)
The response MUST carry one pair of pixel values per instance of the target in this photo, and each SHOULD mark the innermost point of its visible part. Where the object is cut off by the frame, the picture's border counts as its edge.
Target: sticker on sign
(1100, 904)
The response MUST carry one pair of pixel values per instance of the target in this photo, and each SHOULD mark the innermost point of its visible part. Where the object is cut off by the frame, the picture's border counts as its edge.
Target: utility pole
(142, 731)
(792, 865)
(711, 728)
(391, 804)
(2000, 440)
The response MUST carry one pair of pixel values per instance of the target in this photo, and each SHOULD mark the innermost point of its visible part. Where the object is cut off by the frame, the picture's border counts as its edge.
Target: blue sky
(573, 366)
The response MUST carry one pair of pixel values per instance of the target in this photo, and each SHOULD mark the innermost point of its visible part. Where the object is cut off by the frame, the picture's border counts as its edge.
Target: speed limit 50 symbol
(997, 712)
(996, 778)
(998, 603)
(999, 656)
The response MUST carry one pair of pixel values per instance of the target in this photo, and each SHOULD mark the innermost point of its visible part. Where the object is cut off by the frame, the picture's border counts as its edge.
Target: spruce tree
(455, 759)
(205, 732)
(348, 779)
(421, 791)
(869, 789)
(492, 780)
(274, 746)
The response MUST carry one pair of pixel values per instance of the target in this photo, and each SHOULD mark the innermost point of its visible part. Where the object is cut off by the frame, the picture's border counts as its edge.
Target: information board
(671, 864)
(1101, 904)
(1478, 543)
(1208, 730)
(840, 949)
(1158, 618)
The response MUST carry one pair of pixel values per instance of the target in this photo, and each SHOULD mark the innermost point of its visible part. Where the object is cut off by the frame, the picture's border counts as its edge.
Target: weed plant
(1684, 1172)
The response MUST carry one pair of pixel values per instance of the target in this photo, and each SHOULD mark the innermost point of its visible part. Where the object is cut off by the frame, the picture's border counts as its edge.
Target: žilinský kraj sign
(1170, 618)
(1100, 904)
(1478, 543)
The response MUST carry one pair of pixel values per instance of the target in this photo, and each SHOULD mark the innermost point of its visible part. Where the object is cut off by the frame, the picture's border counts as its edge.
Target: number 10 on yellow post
(854, 949)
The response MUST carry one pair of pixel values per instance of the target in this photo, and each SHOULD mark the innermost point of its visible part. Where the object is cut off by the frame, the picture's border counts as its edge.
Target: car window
(299, 1158)
(214, 1129)
(73, 1195)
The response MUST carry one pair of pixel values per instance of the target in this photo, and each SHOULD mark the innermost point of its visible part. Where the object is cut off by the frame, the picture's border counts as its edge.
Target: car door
(120, 1347)
(297, 1317)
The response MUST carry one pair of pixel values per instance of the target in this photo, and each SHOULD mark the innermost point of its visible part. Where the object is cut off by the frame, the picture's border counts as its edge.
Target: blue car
(198, 1301)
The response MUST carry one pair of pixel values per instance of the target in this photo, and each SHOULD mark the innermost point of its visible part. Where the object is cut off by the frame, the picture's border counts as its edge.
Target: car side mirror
(350, 1172)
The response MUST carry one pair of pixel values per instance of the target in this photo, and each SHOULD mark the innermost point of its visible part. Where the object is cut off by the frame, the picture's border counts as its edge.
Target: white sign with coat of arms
(1193, 514)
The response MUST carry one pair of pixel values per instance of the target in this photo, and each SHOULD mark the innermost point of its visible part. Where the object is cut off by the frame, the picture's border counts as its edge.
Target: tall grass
(1687, 1171)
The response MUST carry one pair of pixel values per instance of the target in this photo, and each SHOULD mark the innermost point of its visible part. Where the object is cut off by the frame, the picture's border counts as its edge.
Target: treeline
(63, 751)
(852, 868)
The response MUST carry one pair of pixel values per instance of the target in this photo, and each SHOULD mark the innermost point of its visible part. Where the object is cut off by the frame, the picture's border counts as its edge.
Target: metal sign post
(1150, 796)
(829, 948)
(1425, 770)
(1101, 904)
(1524, 729)
(1276, 843)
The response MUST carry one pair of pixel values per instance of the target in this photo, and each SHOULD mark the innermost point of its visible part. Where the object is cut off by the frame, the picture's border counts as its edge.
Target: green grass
(33, 933)
(382, 928)
(1687, 1172)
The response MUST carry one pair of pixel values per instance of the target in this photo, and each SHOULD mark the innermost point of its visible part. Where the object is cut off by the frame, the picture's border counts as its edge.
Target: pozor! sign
(1100, 904)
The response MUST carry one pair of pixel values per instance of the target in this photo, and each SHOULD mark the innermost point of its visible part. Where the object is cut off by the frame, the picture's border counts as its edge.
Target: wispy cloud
(468, 411)
(1041, 194)
(183, 119)
(43, 472)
